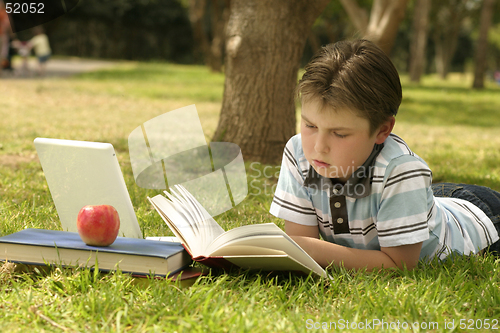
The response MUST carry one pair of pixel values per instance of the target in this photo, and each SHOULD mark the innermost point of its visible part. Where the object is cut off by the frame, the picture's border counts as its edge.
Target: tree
(331, 26)
(480, 60)
(382, 25)
(197, 9)
(264, 43)
(419, 39)
(208, 21)
(122, 29)
(447, 17)
(220, 16)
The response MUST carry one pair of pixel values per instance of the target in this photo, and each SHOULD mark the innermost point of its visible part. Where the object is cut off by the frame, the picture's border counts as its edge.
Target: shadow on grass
(445, 88)
(450, 106)
(450, 102)
(448, 113)
(157, 72)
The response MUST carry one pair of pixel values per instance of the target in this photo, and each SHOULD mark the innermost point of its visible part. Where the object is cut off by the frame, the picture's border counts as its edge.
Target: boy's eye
(339, 135)
(310, 126)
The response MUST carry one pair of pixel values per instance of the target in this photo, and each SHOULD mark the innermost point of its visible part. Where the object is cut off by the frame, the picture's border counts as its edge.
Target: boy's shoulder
(395, 147)
(397, 154)
(295, 140)
(294, 154)
(294, 146)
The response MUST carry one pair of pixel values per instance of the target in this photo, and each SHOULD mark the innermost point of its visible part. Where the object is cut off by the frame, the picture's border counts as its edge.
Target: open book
(257, 246)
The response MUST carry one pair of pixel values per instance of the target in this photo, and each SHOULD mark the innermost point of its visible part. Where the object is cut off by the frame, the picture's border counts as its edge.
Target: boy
(347, 178)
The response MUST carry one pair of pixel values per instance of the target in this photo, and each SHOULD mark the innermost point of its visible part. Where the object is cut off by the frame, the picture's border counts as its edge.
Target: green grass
(453, 128)
(163, 82)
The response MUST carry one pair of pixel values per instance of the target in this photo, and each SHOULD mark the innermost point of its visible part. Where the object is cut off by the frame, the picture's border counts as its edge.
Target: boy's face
(336, 143)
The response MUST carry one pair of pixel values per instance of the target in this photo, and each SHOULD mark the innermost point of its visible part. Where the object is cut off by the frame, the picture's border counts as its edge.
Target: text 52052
(24, 8)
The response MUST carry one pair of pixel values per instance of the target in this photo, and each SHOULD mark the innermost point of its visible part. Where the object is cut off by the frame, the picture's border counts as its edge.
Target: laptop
(81, 173)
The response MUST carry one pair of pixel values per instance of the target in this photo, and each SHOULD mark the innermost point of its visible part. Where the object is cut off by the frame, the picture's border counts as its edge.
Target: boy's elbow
(404, 256)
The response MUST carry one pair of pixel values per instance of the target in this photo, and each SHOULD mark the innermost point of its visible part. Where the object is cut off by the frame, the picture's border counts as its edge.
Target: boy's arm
(326, 253)
(295, 229)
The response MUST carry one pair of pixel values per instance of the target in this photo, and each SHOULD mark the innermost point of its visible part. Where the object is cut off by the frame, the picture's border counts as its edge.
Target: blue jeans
(483, 197)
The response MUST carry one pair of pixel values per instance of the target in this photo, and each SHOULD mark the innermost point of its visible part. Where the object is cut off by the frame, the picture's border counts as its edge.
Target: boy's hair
(354, 75)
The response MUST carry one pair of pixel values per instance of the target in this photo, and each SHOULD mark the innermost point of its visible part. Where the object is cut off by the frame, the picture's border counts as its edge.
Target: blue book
(131, 255)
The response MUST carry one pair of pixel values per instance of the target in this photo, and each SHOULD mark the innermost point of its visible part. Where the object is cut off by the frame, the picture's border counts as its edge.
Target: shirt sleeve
(292, 201)
(402, 217)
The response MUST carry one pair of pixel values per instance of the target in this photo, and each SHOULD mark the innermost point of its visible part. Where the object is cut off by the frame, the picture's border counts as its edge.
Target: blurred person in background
(40, 43)
(4, 36)
(24, 50)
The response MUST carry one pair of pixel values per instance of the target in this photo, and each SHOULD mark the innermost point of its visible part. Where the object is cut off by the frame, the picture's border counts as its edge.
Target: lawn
(455, 129)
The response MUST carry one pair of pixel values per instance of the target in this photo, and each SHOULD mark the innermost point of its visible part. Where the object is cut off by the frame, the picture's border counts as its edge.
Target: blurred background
(238, 60)
(427, 36)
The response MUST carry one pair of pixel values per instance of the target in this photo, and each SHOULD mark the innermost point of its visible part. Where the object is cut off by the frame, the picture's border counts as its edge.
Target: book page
(176, 222)
(244, 231)
(244, 250)
(186, 217)
(271, 243)
(272, 263)
(179, 206)
(209, 228)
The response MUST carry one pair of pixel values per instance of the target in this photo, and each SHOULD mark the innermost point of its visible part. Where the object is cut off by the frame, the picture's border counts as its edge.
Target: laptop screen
(81, 173)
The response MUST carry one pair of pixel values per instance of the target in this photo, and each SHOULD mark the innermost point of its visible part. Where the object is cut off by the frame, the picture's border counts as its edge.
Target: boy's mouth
(319, 163)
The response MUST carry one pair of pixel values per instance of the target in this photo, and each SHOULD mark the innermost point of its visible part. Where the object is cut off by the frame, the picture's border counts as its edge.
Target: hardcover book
(130, 255)
(257, 246)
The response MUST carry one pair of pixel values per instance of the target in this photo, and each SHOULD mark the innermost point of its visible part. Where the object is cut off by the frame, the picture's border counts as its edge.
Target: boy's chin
(325, 172)
(329, 173)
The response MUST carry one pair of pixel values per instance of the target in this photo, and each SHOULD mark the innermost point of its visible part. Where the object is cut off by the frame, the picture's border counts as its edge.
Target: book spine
(185, 248)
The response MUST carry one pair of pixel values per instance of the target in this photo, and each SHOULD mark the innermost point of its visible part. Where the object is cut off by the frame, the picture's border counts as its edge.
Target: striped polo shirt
(387, 202)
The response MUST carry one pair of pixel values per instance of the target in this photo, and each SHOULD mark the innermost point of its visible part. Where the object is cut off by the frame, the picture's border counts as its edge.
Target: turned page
(187, 219)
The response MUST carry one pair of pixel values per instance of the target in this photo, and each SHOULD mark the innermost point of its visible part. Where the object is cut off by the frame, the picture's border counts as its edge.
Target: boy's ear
(384, 130)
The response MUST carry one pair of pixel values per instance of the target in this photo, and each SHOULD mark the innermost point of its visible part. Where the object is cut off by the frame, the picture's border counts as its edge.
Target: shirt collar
(357, 186)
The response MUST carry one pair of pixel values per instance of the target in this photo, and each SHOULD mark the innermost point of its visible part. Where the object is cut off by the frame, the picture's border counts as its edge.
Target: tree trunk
(264, 43)
(446, 46)
(357, 15)
(419, 39)
(197, 9)
(448, 19)
(314, 42)
(382, 26)
(209, 40)
(482, 44)
(445, 49)
(384, 22)
(220, 16)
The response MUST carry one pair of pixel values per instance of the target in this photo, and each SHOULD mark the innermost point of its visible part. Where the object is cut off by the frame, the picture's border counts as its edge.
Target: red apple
(98, 225)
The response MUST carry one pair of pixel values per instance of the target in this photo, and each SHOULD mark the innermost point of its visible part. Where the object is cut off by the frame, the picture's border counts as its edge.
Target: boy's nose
(321, 146)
